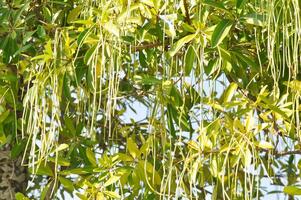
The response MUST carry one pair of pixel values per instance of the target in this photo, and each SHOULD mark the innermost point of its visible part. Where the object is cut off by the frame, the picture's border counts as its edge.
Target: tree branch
(187, 18)
(147, 46)
(284, 153)
(273, 152)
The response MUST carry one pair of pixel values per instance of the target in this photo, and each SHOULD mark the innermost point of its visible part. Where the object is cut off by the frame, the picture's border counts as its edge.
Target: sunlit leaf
(265, 145)
(180, 43)
(112, 194)
(254, 19)
(132, 148)
(292, 190)
(111, 180)
(91, 156)
(229, 92)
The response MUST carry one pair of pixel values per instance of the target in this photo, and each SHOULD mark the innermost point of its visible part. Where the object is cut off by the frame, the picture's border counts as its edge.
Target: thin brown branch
(285, 153)
(275, 153)
(187, 17)
(146, 46)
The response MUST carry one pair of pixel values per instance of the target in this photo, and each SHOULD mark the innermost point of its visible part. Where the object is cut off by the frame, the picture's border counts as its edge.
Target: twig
(185, 3)
(284, 153)
(275, 153)
(146, 46)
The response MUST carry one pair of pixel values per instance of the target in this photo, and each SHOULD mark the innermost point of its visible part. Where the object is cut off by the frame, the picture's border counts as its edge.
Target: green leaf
(90, 79)
(66, 87)
(146, 80)
(220, 32)
(215, 4)
(188, 28)
(9, 47)
(248, 60)
(170, 121)
(180, 43)
(69, 125)
(82, 36)
(175, 97)
(142, 59)
(23, 49)
(41, 32)
(292, 190)
(79, 171)
(73, 14)
(4, 115)
(181, 117)
(212, 68)
(18, 148)
(27, 36)
(45, 190)
(43, 170)
(240, 4)
(3, 138)
(189, 60)
(66, 183)
(89, 54)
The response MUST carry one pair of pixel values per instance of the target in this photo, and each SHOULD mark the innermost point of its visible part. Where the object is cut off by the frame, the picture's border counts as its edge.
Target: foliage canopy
(215, 86)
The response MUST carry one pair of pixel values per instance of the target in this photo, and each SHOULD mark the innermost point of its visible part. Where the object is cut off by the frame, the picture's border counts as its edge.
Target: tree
(219, 81)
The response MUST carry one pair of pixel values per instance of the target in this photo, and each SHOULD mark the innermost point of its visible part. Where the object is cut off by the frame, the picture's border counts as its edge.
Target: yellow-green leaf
(61, 147)
(292, 190)
(91, 157)
(295, 85)
(20, 196)
(112, 194)
(73, 14)
(265, 145)
(112, 28)
(111, 180)
(229, 92)
(180, 43)
(254, 19)
(248, 157)
(61, 161)
(100, 196)
(132, 148)
(66, 183)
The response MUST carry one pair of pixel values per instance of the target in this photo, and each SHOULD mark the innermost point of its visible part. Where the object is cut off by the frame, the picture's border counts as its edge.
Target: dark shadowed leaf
(220, 32)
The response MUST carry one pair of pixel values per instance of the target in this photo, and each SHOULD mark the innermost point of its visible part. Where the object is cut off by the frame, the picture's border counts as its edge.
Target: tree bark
(13, 176)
